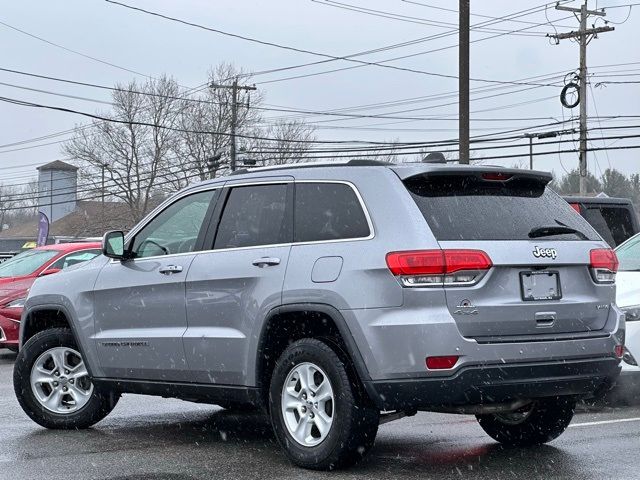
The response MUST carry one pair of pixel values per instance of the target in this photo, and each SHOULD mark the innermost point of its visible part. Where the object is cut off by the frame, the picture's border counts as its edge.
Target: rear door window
(328, 211)
(463, 207)
(255, 215)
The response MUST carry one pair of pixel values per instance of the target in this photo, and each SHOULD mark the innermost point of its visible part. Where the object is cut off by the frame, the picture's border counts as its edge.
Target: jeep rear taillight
(604, 265)
(451, 267)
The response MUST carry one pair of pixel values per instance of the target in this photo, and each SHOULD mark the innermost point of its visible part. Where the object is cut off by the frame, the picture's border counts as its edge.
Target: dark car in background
(614, 219)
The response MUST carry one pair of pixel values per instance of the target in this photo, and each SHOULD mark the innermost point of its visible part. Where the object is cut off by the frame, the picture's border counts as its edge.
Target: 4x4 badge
(545, 253)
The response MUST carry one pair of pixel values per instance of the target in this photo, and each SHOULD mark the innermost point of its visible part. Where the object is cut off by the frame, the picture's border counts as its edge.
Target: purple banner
(43, 230)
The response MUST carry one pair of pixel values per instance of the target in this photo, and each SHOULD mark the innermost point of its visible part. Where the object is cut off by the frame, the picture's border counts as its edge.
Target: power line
(317, 153)
(147, 124)
(49, 42)
(301, 50)
(441, 35)
(359, 153)
(195, 89)
(472, 14)
(413, 19)
(289, 110)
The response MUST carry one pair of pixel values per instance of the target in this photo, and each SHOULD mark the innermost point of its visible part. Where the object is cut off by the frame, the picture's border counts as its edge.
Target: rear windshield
(461, 207)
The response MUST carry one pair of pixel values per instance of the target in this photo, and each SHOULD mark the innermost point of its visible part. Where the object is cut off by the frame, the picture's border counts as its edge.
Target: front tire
(53, 385)
(318, 414)
(542, 421)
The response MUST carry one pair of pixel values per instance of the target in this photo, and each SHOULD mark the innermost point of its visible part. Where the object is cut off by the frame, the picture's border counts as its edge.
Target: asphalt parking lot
(153, 438)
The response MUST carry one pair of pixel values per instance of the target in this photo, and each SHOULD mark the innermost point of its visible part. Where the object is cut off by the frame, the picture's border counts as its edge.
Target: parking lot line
(604, 422)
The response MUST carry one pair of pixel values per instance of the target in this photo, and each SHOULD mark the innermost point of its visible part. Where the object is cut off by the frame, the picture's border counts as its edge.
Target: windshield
(629, 255)
(26, 263)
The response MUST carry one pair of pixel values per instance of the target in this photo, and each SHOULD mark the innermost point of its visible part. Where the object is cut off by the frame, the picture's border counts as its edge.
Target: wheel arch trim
(27, 316)
(353, 350)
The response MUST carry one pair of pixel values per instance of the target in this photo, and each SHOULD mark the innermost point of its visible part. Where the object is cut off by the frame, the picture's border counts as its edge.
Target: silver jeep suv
(337, 297)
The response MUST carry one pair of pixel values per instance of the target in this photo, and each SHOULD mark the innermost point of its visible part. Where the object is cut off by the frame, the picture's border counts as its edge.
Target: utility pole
(463, 80)
(103, 166)
(584, 36)
(234, 115)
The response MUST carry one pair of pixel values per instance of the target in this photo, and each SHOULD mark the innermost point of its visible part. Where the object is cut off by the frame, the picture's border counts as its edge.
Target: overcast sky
(153, 46)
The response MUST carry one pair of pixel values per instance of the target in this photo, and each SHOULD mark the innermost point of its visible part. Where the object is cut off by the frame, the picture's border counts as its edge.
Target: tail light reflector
(439, 267)
(442, 363)
(604, 265)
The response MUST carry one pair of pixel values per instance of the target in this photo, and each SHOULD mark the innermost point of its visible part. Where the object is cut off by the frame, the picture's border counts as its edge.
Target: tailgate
(525, 294)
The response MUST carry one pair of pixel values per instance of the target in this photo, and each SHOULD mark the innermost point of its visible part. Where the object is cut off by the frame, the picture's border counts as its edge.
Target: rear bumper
(475, 385)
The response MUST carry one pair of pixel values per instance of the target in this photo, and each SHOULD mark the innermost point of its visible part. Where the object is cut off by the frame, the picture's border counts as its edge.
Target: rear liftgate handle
(545, 319)
(170, 269)
(266, 262)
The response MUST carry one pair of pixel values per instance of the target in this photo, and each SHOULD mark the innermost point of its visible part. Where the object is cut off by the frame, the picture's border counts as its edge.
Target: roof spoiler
(488, 174)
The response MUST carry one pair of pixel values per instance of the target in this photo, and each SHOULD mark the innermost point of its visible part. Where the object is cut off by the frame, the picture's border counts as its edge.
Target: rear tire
(326, 423)
(545, 420)
(54, 355)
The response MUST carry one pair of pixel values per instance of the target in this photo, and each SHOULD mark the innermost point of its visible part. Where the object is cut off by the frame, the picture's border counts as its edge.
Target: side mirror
(113, 245)
(50, 271)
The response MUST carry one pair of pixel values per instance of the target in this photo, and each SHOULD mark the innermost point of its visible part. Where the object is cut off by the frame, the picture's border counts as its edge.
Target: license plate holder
(540, 285)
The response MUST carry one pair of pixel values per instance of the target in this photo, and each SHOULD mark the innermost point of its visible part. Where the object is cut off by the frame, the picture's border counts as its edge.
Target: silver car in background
(628, 299)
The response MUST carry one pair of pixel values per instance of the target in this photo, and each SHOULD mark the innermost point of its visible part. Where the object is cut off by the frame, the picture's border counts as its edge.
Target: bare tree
(206, 122)
(162, 139)
(134, 155)
(7, 204)
(281, 143)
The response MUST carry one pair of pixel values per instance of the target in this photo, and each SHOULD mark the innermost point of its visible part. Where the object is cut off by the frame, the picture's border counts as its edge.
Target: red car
(18, 274)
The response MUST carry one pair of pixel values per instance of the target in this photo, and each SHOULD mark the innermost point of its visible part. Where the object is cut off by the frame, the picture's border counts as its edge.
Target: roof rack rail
(350, 163)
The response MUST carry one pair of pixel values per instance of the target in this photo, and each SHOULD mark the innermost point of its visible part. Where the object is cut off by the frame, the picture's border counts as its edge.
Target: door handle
(170, 269)
(266, 262)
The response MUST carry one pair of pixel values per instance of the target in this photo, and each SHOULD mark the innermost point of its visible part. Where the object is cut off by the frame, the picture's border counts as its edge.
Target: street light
(539, 136)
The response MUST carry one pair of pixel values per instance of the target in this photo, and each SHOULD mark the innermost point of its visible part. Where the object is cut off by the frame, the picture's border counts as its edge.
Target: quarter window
(328, 211)
(254, 215)
(175, 229)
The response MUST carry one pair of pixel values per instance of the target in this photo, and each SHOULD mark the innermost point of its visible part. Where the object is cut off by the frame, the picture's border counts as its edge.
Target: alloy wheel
(308, 404)
(60, 380)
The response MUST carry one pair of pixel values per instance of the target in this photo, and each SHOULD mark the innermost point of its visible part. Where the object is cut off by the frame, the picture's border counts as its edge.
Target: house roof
(89, 219)
(57, 165)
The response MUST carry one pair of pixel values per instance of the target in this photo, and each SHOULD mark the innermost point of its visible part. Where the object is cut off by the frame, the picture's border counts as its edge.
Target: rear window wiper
(550, 230)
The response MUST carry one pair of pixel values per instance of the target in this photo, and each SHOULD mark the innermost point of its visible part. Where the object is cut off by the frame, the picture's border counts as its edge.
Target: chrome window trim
(248, 183)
